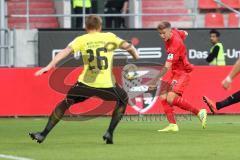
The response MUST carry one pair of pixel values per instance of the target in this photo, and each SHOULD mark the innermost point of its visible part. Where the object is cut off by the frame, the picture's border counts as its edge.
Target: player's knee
(69, 100)
(121, 107)
(163, 97)
(168, 110)
(124, 99)
(62, 106)
(122, 104)
(170, 98)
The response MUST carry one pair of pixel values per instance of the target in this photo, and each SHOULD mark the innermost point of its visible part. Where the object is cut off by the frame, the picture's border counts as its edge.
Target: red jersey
(177, 52)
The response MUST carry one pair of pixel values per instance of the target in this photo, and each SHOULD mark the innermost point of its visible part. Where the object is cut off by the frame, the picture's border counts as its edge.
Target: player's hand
(41, 71)
(154, 84)
(152, 87)
(226, 84)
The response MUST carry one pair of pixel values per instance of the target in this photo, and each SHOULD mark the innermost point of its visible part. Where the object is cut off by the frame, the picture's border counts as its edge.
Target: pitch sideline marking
(13, 157)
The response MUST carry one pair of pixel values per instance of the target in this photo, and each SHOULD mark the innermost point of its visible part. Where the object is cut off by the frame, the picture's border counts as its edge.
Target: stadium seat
(213, 20)
(207, 4)
(232, 3)
(35, 7)
(233, 20)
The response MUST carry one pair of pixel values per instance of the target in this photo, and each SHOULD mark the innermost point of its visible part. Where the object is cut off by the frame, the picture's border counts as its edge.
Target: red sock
(168, 110)
(183, 104)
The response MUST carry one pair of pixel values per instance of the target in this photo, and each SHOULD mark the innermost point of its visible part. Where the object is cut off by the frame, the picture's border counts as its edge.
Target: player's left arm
(122, 44)
(61, 55)
(186, 33)
(234, 72)
(183, 34)
(130, 49)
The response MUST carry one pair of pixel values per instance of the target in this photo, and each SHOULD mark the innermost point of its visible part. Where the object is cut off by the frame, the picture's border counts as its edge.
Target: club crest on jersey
(170, 56)
(140, 98)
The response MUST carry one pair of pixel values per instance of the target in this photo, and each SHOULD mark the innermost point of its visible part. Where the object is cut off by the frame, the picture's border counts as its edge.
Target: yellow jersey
(97, 53)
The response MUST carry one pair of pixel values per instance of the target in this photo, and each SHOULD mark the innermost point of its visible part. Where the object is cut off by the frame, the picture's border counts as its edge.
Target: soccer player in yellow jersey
(96, 79)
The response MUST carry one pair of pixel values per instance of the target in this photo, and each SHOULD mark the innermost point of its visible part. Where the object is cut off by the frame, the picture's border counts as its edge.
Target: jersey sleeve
(182, 34)
(76, 45)
(116, 40)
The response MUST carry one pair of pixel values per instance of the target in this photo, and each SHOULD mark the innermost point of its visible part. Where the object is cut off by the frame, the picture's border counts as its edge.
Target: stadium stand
(205, 16)
(35, 7)
(169, 6)
(213, 20)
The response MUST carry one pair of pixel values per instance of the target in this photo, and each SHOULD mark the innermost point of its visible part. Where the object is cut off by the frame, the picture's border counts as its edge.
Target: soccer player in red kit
(180, 68)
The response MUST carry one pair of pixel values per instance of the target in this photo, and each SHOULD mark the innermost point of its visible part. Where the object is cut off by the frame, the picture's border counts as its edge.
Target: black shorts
(79, 92)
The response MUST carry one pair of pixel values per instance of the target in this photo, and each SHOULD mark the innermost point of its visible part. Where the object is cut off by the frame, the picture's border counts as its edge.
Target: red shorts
(177, 83)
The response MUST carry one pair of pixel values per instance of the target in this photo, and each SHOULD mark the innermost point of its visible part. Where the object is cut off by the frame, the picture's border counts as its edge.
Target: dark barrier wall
(148, 43)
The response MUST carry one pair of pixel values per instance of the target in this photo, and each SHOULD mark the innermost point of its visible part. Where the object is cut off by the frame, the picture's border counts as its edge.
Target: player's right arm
(234, 72)
(130, 49)
(61, 55)
(168, 64)
(153, 84)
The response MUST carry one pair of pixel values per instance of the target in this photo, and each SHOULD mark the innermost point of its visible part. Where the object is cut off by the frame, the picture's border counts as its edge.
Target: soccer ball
(130, 71)
(131, 75)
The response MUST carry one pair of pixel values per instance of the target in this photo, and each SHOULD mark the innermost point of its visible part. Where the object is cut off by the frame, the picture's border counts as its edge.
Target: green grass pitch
(82, 140)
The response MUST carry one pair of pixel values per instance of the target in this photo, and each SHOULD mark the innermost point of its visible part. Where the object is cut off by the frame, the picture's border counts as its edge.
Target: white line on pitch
(13, 157)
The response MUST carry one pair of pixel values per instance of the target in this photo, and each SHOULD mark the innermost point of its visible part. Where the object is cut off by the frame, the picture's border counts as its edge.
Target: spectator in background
(116, 7)
(216, 56)
(78, 9)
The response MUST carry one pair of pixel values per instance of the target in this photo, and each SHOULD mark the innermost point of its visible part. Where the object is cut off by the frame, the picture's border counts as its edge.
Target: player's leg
(57, 114)
(120, 96)
(54, 118)
(122, 101)
(180, 82)
(176, 100)
(169, 112)
(116, 117)
(214, 106)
